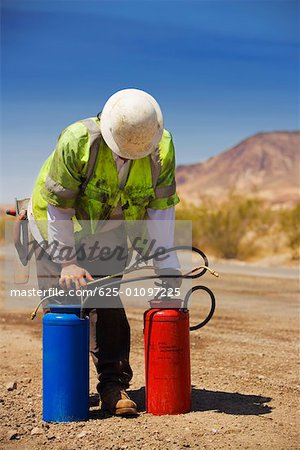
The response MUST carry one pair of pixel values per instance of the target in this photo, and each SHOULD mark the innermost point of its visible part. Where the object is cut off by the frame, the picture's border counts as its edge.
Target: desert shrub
(228, 229)
(290, 225)
(3, 224)
(2, 229)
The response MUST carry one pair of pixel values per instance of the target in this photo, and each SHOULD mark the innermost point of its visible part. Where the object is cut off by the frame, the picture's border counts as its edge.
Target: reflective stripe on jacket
(61, 181)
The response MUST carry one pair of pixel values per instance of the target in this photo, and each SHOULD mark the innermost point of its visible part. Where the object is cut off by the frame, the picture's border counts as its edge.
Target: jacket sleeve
(161, 229)
(67, 168)
(61, 234)
(165, 190)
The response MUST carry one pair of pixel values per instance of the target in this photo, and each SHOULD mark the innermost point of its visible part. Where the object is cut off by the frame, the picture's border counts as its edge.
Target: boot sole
(121, 411)
(126, 412)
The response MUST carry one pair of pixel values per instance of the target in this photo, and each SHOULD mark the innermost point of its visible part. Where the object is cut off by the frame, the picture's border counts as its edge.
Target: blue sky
(221, 70)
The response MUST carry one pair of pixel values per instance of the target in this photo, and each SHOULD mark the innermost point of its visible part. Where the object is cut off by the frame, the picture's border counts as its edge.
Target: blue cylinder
(65, 365)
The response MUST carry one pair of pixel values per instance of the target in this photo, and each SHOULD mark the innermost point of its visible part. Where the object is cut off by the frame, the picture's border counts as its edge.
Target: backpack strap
(163, 191)
(95, 141)
(155, 167)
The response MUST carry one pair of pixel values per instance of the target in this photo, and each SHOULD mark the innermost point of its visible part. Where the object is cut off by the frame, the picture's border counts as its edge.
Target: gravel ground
(244, 372)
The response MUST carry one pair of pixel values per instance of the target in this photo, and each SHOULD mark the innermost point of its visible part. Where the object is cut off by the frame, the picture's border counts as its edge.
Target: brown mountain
(266, 163)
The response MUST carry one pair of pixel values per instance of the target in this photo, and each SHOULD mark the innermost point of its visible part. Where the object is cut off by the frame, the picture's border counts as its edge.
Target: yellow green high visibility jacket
(66, 181)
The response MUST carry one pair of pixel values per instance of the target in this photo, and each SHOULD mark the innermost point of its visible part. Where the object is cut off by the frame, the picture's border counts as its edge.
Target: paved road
(257, 271)
(232, 267)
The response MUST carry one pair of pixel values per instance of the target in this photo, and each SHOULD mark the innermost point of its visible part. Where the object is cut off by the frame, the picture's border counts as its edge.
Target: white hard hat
(132, 123)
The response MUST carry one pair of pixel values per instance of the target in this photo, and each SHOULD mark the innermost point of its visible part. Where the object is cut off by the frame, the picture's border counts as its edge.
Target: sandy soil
(244, 372)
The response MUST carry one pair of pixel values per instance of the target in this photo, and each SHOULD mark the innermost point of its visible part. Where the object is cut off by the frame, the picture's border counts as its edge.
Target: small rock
(11, 385)
(35, 431)
(214, 431)
(27, 380)
(50, 437)
(12, 434)
(81, 434)
(261, 377)
(1, 400)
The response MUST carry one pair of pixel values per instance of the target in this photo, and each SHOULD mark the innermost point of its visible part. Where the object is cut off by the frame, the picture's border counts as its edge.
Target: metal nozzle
(213, 272)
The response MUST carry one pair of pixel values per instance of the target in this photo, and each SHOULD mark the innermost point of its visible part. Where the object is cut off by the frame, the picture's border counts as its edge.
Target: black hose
(212, 308)
(152, 277)
(185, 301)
(104, 283)
(179, 247)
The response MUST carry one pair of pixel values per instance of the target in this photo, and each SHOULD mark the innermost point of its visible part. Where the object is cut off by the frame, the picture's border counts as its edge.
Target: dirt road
(244, 372)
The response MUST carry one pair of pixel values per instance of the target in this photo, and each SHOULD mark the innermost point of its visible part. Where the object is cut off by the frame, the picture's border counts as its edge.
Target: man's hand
(72, 273)
(173, 283)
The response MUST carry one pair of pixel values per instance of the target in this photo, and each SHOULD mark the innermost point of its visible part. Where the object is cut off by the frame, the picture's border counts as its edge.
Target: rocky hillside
(266, 163)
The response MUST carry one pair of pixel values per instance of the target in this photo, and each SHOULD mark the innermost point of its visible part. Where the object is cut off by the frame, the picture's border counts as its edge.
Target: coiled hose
(114, 279)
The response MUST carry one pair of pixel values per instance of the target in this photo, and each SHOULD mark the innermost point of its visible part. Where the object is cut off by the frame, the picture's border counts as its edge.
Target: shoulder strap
(155, 167)
(95, 141)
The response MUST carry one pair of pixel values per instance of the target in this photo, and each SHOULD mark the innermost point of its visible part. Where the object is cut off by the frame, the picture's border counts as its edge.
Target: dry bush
(230, 229)
(3, 224)
(290, 224)
(2, 229)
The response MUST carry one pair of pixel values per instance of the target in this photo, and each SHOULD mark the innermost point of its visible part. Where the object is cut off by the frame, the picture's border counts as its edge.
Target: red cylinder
(11, 212)
(167, 359)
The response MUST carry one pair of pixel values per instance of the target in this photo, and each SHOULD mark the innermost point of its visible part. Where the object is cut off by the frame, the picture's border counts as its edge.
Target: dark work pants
(110, 345)
(109, 327)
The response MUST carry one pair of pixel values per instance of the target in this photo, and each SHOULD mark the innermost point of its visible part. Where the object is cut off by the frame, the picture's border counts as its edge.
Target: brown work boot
(115, 399)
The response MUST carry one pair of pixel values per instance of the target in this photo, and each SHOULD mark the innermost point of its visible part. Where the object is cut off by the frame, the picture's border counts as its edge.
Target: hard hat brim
(106, 120)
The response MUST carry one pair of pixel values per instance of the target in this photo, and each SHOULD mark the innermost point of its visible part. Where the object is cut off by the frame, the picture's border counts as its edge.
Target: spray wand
(114, 279)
